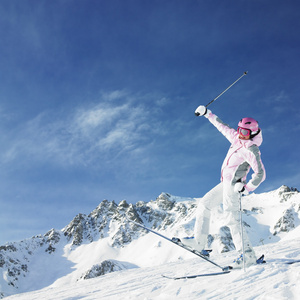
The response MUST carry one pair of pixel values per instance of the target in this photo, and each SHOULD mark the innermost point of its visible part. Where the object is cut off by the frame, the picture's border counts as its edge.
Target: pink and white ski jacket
(241, 156)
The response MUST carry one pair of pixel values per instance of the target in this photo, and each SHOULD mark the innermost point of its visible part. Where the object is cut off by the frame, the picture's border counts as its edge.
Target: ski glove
(201, 111)
(240, 188)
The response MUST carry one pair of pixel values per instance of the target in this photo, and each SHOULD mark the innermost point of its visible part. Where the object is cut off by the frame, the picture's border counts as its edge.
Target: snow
(274, 280)
(146, 258)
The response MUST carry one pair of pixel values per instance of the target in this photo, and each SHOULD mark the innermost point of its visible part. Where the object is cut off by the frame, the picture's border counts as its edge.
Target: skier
(243, 154)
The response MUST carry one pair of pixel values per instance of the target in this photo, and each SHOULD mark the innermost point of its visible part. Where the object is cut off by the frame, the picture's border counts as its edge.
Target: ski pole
(245, 73)
(242, 234)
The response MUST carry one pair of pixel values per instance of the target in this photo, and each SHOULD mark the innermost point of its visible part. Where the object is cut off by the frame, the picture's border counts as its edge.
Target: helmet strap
(253, 134)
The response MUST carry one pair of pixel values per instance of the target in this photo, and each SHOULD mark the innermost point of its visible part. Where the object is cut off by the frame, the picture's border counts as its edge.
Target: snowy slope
(274, 280)
(60, 260)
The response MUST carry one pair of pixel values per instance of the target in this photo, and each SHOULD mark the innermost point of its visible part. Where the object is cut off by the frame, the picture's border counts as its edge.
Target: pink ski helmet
(248, 125)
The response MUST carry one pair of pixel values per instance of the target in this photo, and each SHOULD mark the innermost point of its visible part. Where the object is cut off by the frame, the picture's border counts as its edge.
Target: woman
(243, 154)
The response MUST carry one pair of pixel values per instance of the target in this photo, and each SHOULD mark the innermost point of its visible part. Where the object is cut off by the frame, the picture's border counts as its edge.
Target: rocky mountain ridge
(108, 221)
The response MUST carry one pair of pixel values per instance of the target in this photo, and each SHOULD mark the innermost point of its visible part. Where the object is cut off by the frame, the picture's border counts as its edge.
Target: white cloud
(114, 95)
(85, 135)
(281, 98)
(99, 116)
(280, 103)
(162, 101)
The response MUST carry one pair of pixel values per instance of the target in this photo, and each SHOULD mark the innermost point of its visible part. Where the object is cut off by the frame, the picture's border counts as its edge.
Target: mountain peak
(90, 245)
(164, 201)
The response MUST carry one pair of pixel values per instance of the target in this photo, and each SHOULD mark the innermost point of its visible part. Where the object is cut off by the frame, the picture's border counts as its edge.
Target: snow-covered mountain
(105, 242)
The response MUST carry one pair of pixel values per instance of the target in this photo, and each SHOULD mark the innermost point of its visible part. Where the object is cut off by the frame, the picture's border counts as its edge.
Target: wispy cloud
(86, 135)
(279, 102)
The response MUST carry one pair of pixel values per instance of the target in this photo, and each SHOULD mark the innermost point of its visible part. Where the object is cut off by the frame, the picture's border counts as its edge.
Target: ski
(282, 261)
(195, 276)
(180, 244)
(262, 261)
(292, 262)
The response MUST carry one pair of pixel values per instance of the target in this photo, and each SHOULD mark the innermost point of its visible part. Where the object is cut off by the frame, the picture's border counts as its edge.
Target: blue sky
(97, 100)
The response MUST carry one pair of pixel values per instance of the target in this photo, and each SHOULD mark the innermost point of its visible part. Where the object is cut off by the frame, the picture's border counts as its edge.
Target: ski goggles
(244, 131)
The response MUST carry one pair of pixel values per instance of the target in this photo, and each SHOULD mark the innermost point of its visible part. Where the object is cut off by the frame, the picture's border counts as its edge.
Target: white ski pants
(222, 193)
